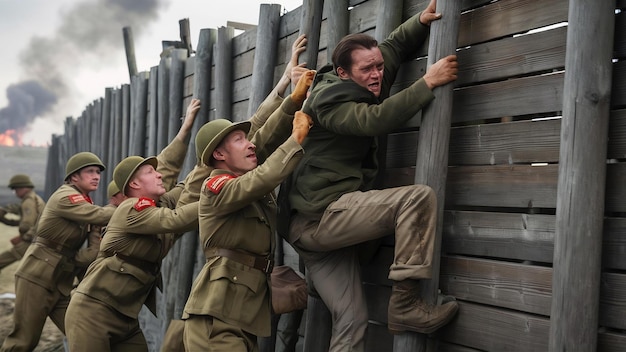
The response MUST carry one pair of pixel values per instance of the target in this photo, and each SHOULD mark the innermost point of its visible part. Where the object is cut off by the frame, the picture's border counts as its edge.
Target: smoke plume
(90, 34)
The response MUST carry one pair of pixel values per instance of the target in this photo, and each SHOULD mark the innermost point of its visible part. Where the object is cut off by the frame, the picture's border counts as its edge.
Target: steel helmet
(19, 181)
(212, 133)
(81, 160)
(126, 168)
(112, 189)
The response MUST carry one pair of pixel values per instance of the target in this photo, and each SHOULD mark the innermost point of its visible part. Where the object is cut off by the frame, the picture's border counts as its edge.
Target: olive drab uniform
(237, 215)
(46, 273)
(28, 211)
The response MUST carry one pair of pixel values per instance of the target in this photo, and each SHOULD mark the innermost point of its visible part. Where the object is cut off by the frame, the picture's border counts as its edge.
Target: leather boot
(408, 312)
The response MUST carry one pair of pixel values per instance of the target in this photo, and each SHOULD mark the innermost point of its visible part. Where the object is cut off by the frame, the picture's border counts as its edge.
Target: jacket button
(121, 269)
(235, 278)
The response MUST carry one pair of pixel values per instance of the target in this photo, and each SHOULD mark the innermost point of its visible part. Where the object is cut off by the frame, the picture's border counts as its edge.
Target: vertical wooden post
(153, 117)
(202, 74)
(129, 45)
(105, 130)
(139, 85)
(224, 73)
(432, 151)
(177, 77)
(311, 24)
(582, 170)
(163, 103)
(264, 55)
(125, 121)
(339, 21)
(185, 34)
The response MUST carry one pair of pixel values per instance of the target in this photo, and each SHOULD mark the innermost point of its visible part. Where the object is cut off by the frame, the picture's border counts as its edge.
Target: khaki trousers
(92, 326)
(33, 304)
(327, 246)
(203, 333)
(14, 254)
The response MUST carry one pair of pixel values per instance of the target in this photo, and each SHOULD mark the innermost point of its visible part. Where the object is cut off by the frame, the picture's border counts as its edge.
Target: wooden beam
(311, 24)
(129, 45)
(224, 73)
(582, 175)
(264, 56)
(433, 145)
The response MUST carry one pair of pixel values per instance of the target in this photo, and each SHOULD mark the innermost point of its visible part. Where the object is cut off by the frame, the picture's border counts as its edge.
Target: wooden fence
(532, 251)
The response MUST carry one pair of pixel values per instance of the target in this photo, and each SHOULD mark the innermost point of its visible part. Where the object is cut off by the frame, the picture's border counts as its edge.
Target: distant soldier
(45, 276)
(28, 211)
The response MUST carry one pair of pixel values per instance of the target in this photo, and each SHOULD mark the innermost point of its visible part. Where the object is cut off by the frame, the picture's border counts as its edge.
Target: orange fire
(11, 138)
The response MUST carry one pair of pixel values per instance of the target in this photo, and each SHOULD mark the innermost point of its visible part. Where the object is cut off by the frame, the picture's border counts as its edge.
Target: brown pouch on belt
(289, 291)
(15, 240)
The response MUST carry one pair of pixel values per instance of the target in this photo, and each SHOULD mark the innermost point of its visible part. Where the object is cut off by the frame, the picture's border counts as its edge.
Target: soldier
(331, 198)
(229, 304)
(124, 276)
(45, 276)
(28, 211)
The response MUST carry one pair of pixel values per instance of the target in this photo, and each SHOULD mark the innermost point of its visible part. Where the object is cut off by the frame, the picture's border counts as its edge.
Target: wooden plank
(499, 235)
(519, 142)
(611, 341)
(613, 301)
(507, 17)
(514, 97)
(619, 41)
(449, 347)
(618, 91)
(378, 338)
(514, 56)
(615, 191)
(614, 244)
(526, 288)
(491, 329)
(617, 135)
(377, 299)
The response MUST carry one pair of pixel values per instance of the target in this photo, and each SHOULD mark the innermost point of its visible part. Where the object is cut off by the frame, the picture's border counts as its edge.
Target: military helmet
(212, 133)
(19, 181)
(112, 189)
(126, 168)
(81, 160)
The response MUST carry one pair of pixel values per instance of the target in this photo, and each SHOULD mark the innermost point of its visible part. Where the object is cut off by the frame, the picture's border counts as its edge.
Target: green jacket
(65, 220)
(242, 216)
(341, 147)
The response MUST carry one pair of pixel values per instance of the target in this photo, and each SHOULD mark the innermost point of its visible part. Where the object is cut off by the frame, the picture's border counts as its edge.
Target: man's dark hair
(342, 55)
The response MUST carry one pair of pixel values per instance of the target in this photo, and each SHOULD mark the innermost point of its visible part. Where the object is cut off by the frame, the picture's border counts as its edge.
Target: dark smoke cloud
(27, 100)
(91, 32)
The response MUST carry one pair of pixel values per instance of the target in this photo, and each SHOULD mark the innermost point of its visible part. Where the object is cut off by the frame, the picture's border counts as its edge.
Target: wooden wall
(500, 201)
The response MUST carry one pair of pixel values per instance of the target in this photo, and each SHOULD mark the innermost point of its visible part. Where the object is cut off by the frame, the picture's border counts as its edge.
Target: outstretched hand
(190, 117)
(297, 48)
(302, 123)
(429, 14)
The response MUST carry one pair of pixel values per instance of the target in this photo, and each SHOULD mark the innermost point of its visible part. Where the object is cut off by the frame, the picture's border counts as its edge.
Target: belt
(55, 246)
(254, 261)
(145, 265)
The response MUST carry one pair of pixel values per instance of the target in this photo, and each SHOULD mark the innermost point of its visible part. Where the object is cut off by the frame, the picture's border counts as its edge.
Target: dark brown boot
(407, 311)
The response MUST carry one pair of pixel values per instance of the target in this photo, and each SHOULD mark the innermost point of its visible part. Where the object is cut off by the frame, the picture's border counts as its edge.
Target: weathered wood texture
(499, 221)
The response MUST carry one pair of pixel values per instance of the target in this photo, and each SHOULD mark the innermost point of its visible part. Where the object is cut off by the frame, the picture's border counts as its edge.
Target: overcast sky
(60, 55)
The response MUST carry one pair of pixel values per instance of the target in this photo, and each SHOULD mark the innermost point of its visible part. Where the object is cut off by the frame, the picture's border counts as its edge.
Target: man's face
(367, 69)
(20, 192)
(237, 152)
(87, 179)
(149, 181)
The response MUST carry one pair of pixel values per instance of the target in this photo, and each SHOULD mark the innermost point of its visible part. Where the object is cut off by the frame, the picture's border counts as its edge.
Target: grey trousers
(327, 246)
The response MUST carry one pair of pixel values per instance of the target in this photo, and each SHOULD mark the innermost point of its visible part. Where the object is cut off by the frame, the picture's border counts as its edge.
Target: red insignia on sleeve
(144, 203)
(215, 184)
(76, 198)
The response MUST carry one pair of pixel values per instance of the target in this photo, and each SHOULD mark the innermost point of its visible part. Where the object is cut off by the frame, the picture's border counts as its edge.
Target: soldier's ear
(218, 154)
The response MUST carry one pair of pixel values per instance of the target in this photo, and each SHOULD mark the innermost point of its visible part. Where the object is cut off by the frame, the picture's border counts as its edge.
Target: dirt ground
(51, 338)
